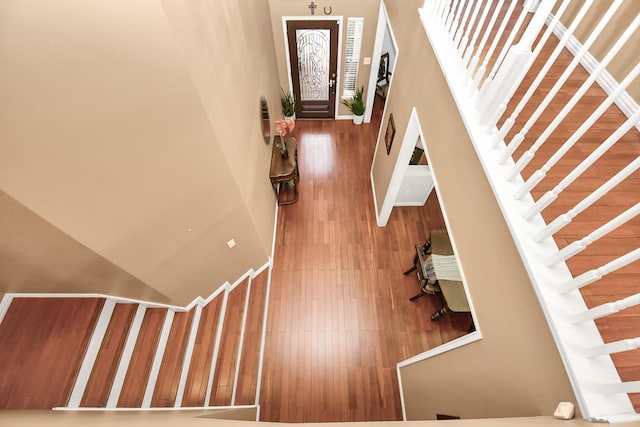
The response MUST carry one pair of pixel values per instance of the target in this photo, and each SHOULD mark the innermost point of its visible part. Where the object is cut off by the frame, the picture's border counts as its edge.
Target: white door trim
(413, 133)
(383, 24)
(338, 19)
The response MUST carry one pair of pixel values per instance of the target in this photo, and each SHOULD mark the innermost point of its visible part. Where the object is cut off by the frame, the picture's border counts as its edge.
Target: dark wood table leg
(440, 313)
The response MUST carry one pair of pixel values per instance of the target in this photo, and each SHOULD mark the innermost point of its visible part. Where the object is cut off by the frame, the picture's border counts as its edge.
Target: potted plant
(356, 106)
(288, 104)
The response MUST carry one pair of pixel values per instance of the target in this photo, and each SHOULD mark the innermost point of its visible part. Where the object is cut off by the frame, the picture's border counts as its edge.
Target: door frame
(412, 134)
(339, 20)
(383, 25)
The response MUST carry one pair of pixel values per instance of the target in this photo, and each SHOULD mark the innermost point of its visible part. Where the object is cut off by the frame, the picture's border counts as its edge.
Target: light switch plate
(366, 60)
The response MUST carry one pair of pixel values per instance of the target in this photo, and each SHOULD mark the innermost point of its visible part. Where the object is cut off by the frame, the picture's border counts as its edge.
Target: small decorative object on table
(283, 126)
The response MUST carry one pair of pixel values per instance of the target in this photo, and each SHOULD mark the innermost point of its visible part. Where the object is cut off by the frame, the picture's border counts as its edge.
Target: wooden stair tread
(227, 357)
(42, 343)
(250, 358)
(106, 364)
(137, 376)
(198, 376)
(164, 394)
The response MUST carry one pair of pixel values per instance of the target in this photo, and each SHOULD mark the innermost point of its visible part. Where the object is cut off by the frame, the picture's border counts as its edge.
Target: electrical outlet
(231, 243)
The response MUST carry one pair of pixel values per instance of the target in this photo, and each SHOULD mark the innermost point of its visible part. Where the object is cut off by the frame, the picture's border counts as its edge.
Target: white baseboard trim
(404, 409)
(262, 268)
(443, 348)
(4, 305)
(154, 409)
(247, 275)
(342, 117)
(607, 82)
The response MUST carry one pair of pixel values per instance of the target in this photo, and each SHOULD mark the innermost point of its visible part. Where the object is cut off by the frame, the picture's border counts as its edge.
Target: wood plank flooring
(104, 370)
(168, 381)
(198, 377)
(340, 316)
(144, 351)
(228, 356)
(248, 375)
(42, 345)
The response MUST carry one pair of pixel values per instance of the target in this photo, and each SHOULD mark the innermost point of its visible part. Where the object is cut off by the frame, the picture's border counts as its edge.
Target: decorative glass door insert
(313, 64)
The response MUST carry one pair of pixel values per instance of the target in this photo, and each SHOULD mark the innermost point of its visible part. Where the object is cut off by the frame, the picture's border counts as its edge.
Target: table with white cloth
(438, 271)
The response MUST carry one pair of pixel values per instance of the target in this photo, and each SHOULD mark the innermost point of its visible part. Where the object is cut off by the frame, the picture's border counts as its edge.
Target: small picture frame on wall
(390, 133)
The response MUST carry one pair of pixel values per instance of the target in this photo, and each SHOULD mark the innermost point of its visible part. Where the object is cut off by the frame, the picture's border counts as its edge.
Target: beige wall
(230, 53)
(368, 9)
(35, 256)
(627, 58)
(107, 138)
(200, 418)
(515, 370)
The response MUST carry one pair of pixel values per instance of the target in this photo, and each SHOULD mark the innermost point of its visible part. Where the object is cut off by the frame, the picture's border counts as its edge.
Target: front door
(313, 50)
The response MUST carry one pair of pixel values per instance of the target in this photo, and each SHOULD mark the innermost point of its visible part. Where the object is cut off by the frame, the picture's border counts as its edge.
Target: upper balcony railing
(486, 48)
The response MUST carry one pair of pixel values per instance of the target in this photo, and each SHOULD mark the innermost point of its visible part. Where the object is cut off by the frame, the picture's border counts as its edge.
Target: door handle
(332, 82)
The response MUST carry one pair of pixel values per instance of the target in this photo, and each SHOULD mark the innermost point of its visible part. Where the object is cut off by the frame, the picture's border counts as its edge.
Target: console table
(285, 170)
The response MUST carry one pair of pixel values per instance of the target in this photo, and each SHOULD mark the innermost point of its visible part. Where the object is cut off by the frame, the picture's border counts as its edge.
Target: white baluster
(564, 219)
(509, 75)
(606, 309)
(552, 195)
(447, 24)
(623, 387)
(469, 27)
(503, 54)
(508, 124)
(591, 276)
(437, 4)
(456, 21)
(517, 140)
(530, 153)
(476, 58)
(472, 45)
(580, 245)
(494, 45)
(460, 29)
(539, 175)
(614, 347)
(442, 14)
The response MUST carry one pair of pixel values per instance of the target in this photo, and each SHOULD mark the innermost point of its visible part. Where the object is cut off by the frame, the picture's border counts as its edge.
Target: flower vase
(282, 146)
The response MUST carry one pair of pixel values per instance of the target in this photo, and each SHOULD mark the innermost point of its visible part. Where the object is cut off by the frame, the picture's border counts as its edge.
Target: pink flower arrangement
(284, 126)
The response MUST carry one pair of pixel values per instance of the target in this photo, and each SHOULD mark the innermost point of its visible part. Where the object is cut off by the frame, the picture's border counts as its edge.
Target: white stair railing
(517, 140)
(600, 393)
(508, 124)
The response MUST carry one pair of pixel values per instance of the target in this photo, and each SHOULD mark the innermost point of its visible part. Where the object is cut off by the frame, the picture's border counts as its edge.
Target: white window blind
(352, 56)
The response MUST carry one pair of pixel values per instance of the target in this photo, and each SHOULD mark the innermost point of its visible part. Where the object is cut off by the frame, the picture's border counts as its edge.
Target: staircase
(134, 354)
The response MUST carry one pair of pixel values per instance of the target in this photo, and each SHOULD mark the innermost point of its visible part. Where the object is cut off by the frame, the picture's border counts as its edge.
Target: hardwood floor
(42, 341)
(340, 316)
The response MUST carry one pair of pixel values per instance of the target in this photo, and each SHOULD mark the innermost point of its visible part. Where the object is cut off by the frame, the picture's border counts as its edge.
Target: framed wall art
(390, 133)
